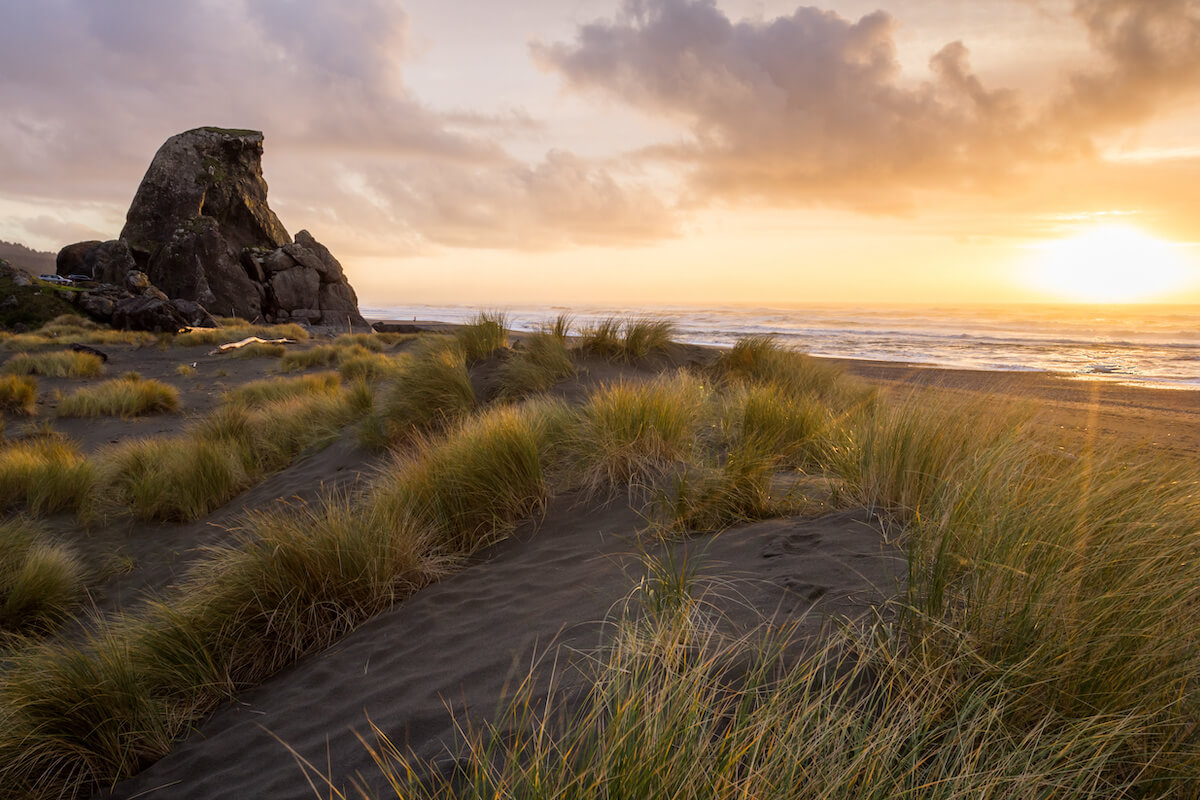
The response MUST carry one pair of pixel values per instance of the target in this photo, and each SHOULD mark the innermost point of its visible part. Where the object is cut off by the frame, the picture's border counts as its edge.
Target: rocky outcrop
(139, 305)
(72, 258)
(107, 262)
(200, 228)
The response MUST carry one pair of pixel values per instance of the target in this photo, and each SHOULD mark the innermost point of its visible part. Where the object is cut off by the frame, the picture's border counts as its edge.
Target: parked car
(56, 279)
(79, 278)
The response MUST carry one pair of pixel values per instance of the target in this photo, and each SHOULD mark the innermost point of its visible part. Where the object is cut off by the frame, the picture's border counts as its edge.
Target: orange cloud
(811, 107)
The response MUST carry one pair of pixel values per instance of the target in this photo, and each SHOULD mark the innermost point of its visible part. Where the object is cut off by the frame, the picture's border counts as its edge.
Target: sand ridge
(460, 642)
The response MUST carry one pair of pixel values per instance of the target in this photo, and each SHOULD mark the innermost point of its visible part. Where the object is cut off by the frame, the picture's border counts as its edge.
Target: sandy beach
(540, 602)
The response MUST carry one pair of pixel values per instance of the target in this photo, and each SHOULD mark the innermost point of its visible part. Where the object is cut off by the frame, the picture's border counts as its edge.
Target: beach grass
(473, 484)
(486, 333)
(261, 429)
(253, 394)
(128, 396)
(631, 435)
(431, 389)
(542, 361)
(18, 394)
(324, 355)
(45, 474)
(40, 581)
(1044, 647)
(761, 359)
(55, 364)
(75, 329)
(626, 340)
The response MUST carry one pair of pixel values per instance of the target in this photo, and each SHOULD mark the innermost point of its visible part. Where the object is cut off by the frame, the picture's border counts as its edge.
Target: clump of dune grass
(291, 581)
(18, 394)
(601, 338)
(257, 432)
(75, 329)
(674, 709)
(373, 342)
(355, 363)
(81, 715)
(320, 356)
(128, 396)
(431, 390)
(185, 370)
(542, 361)
(792, 428)
(703, 499)
(55, 364)
(642, 336)
(269, 390)
(39, 582)
(761, 359)
(470, 486)
(486, 333)
(626, 340)
(45, 474)
(630, 435)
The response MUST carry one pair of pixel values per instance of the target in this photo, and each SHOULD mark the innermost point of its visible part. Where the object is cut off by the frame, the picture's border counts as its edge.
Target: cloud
(90, 91)
(412, 205)
(812, 108)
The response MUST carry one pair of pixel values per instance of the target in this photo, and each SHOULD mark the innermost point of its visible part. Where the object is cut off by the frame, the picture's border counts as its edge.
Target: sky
(646, 152)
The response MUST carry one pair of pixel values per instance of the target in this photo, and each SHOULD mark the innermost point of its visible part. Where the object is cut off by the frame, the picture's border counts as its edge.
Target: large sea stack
(201, 229)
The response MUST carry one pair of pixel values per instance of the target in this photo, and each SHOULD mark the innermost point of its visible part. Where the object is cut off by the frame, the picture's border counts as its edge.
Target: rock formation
(200, 228)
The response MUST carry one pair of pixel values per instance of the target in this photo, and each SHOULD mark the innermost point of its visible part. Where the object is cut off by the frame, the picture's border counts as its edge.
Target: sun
(1108, 264)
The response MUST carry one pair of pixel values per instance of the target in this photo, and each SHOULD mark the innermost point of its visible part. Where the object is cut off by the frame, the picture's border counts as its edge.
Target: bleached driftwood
(225, 348)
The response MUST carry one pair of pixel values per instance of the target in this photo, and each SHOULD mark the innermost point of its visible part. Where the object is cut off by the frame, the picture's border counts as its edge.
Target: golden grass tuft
(56, 364)
(472, 485)
(431, 390)
(541, 361)
(631, 435)
(485, 334)
(39, 582)
(261, 429)
(18, 394)
(45, 475)
(626, 340)
(128, 396)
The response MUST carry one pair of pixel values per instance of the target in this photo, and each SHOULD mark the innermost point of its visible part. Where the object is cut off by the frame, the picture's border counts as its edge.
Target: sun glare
(1108, 264)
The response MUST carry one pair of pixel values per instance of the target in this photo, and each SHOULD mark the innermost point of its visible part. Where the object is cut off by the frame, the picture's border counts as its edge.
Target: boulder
(294, 288)
(195, 314)
(277, 261)
(206, 172)
(196, 264)
(339, 305)
(97, 306)
(70, 260)
(148, 314)
(108, 262)
(136, 281)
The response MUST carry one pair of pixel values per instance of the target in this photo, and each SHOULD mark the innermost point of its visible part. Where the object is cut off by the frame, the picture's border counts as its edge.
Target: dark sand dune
(462, 641)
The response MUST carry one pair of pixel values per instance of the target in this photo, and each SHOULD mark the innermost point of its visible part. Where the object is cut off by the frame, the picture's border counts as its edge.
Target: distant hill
(34, 262)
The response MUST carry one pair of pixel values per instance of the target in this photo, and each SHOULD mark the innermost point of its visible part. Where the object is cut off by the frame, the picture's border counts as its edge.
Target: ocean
(1138, 345)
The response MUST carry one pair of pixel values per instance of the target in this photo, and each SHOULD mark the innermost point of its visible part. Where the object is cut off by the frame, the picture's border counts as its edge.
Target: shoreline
(1082, 408)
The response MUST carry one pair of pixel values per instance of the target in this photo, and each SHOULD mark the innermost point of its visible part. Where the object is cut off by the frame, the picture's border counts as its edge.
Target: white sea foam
(1158, 345)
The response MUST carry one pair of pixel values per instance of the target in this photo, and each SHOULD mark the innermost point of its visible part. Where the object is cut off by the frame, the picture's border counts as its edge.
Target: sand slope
(464, 640)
